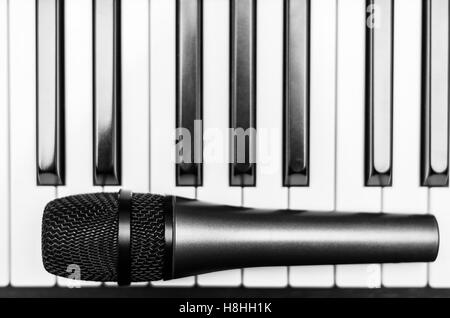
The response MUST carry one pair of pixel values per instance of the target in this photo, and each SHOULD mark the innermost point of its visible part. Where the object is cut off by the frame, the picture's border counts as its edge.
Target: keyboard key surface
(216, 124)
(107, 92)
(243, 91)
(4, 149)
(319, 195)
(378, 92)
(189, 95)
(435, 88)
(269, 192)
(50, 45)
(79, 132)
(162, 110)
(406, 195)
(439, 275)
(351, 194)
(27, 199)
(136, 97)
(296, 99)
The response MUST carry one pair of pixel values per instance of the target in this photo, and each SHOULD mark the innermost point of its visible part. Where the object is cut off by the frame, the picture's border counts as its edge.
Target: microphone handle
(202, 237)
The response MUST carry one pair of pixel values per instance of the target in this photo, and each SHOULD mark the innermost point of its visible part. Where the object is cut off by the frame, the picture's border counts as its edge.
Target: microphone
(133, 237)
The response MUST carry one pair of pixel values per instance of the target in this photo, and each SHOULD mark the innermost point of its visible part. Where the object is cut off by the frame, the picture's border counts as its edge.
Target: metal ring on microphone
(124, 238)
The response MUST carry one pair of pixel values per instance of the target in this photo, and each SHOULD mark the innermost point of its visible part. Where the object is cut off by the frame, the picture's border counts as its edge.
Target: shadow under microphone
(130, 237)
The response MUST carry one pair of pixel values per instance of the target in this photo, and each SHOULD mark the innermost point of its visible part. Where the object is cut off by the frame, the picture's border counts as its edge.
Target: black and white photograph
(239, 151)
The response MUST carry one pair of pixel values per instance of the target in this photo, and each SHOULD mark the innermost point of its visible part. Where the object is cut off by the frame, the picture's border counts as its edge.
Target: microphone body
(202, 237)
(133, 237)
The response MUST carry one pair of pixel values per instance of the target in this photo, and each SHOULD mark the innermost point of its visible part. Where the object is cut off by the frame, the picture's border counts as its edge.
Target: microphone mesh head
(80, 232)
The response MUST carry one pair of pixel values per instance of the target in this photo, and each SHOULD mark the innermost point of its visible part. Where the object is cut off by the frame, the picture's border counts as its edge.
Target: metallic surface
(107, 92)
(208, 237)
(435, 93)
(296, 92)
(50, 82)
(125, 198)
(243, 92)
(379, 92)
(189, 92)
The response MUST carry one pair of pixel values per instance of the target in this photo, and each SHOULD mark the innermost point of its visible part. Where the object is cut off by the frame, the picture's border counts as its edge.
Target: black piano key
(243, 92)
(296, 92)
(435, 93)
(107, 92)
(189, 92)
(379, 92)
(50, 92)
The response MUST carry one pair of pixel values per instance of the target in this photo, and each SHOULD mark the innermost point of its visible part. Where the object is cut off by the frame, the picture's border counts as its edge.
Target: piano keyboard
(343, 105)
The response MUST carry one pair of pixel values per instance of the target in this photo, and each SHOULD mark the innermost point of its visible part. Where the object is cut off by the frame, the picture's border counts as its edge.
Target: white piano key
(27, 199)
(215, 123)
(439, 274)
(162, 109)
(135, 97)
(320, 193)
(351, 194)
(406, 195)
(4, 149)
(79, 134)
(269, 192)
